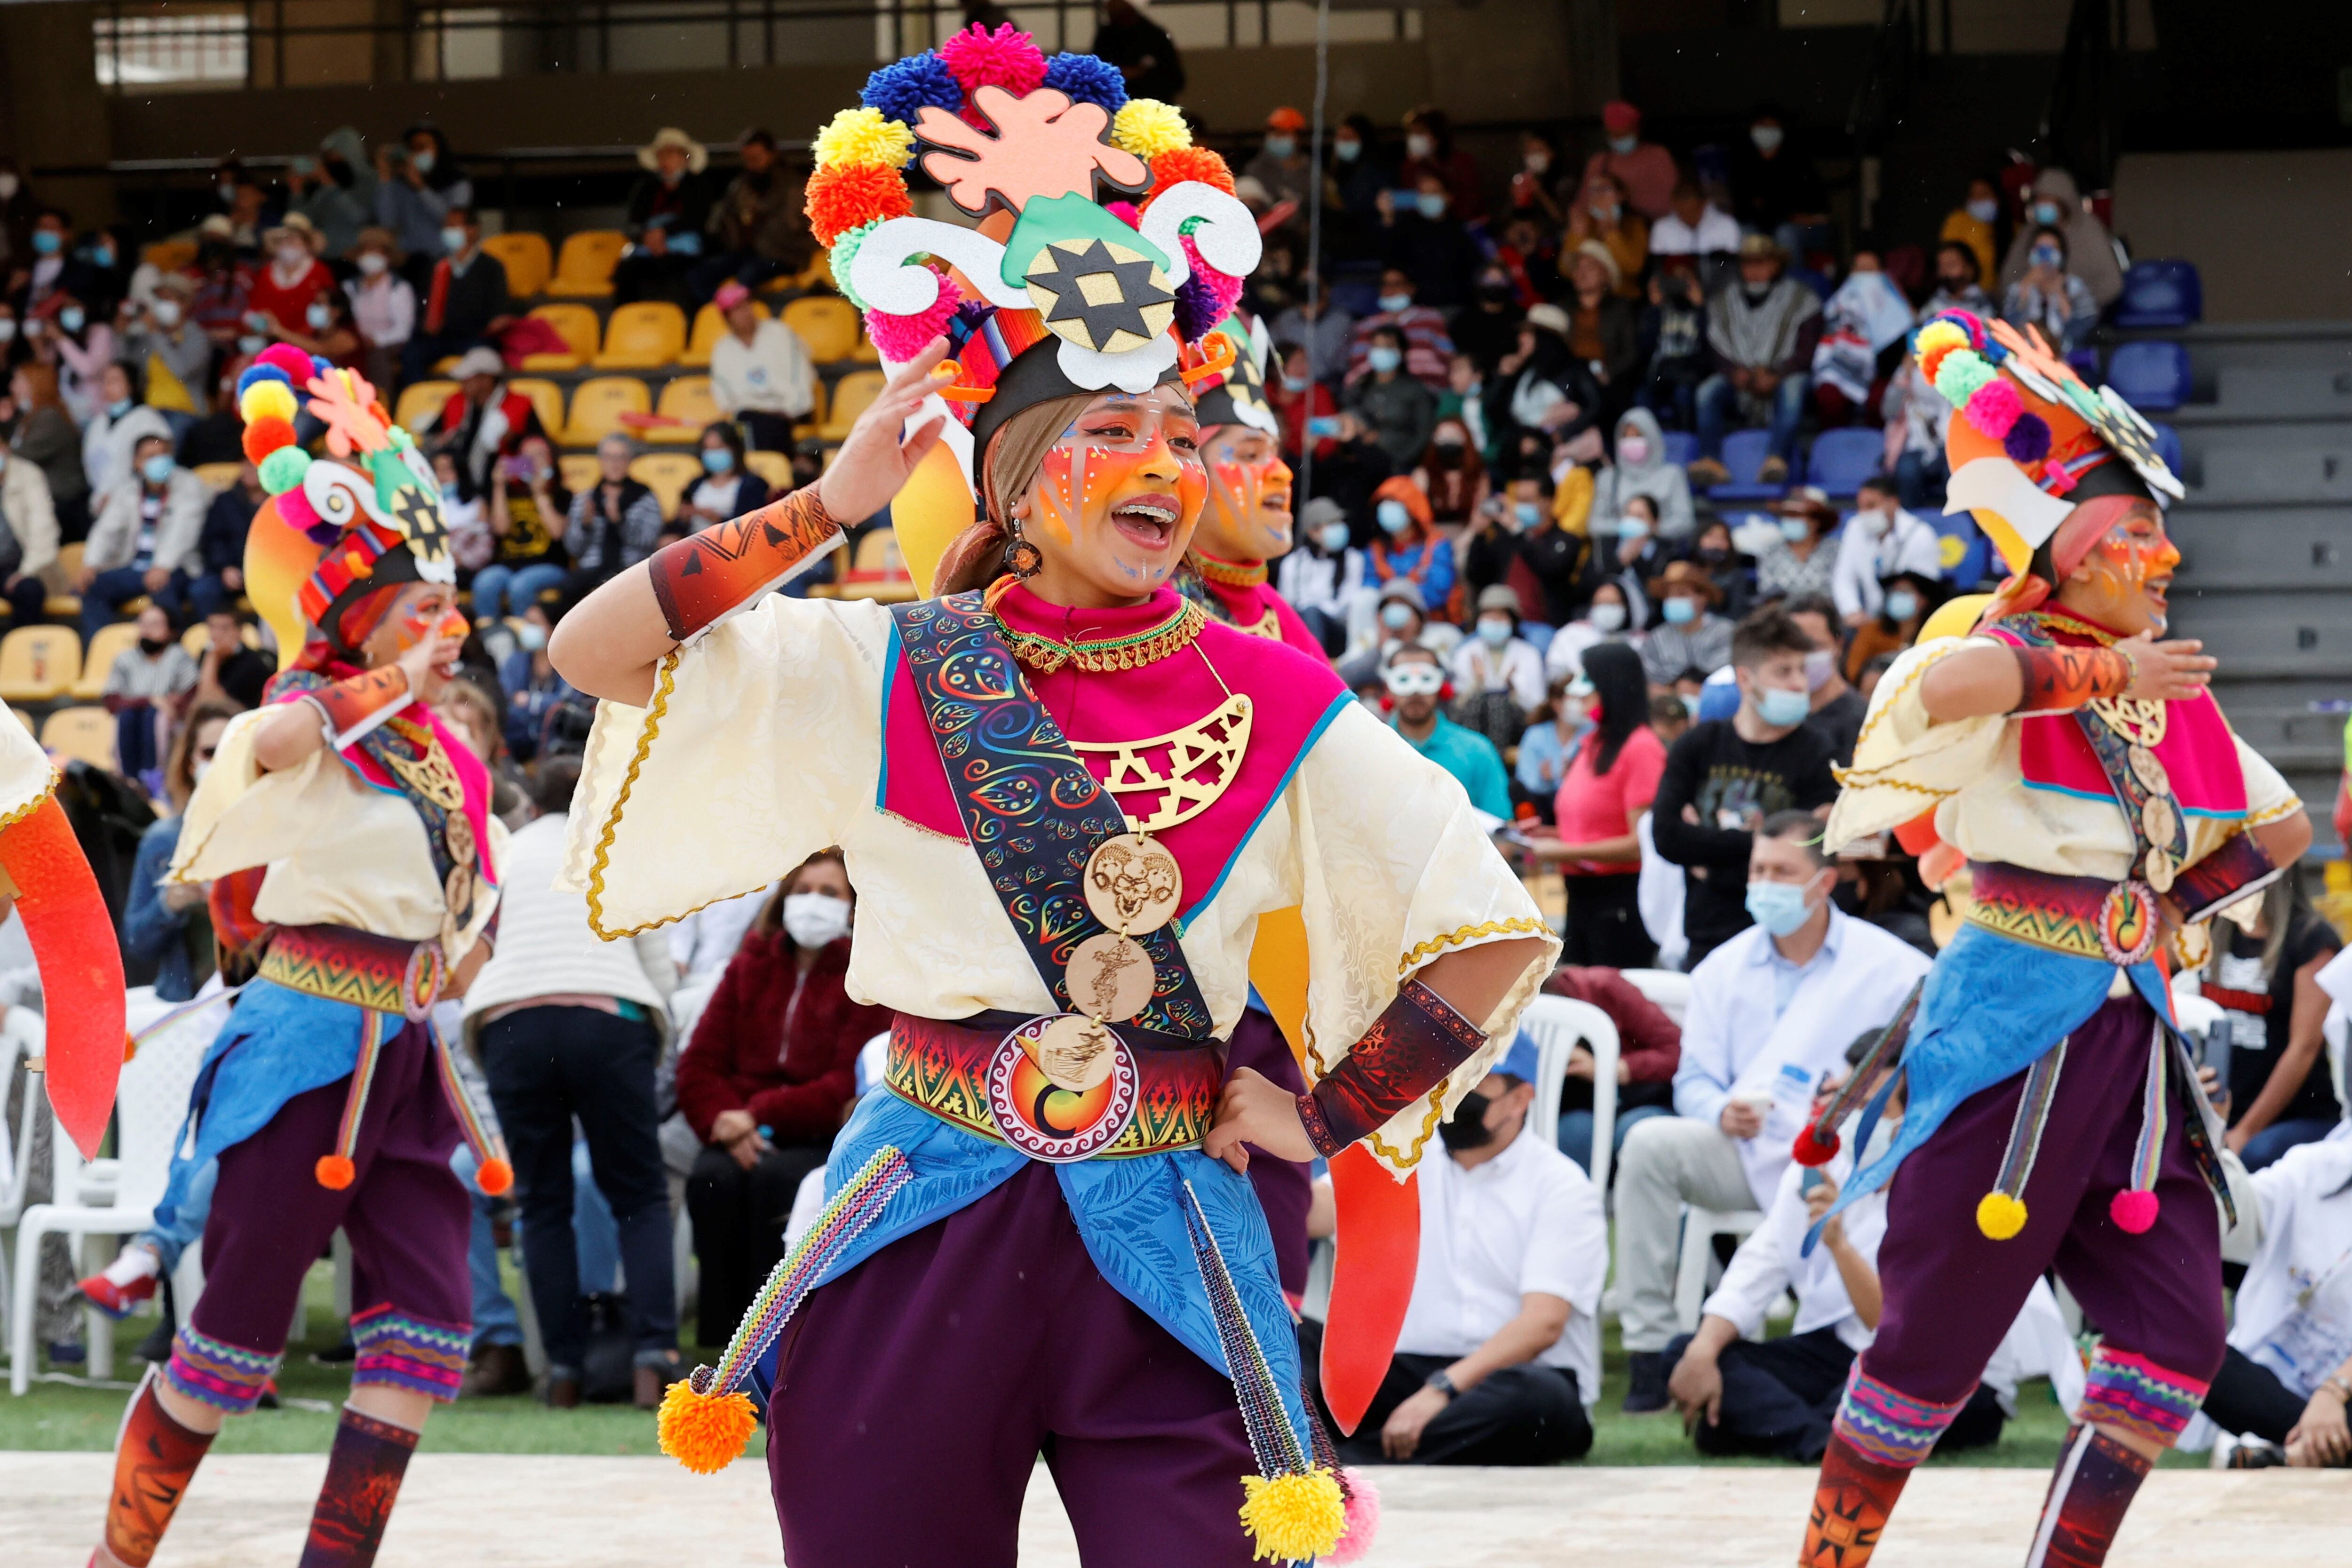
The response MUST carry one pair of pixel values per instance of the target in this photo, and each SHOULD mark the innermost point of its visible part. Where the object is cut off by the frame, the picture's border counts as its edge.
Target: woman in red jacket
(767, 1078)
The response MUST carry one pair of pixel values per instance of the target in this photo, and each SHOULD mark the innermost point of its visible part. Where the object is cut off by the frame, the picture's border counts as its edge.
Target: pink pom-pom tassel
(296, 508)
(900, 339)
(2134, 1210)
(1994, 407)
(1363, 1520)
(1125, 211)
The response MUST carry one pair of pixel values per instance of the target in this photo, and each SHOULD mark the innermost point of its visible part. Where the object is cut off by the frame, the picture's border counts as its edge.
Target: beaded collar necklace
(1132, 651)
(1232, 573)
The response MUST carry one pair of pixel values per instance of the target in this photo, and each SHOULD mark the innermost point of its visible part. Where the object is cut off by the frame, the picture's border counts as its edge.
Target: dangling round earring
(1021, 558)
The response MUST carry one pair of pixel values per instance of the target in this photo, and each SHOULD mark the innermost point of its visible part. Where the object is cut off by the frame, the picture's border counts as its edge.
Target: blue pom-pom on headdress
(1087, 80)
(260, 373)
(904, 89)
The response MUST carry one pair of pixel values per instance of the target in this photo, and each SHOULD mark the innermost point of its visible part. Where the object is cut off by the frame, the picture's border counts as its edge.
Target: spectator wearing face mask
(168, 346)
(761, 374)
(1672, 340)
(1917, 414)
(1881, 540)
(116, 426)
(529, 511)
(1775, 189)
(1640, 469)
(48, 268)
(1545, 187)
(1690, 634)
(45, 436)
(327, 330)
(2050, 296)
(1400, 411)
(669, 211)
(1324, 336)
(1693, 226)
(1328, 578)
(1628, 552)
(1804, 559)
(384, 305)
(143, 689)
(1498, 680)
(1907, 597)
(418, 187)
(1608, 617)
(1603, 332)
(1298, 397)
(1416, 685)
(1548, 741)
(1407, 547)
(1518, 546)
(1605, 218)
(84, 348)
(728, 488)
(334, 192)
(28, 535)
(1429, 149)
(1645, 169)
(534, 690)
(293, 278)
(1972, 226)
(1282, 165)
(1763, 334)
(1609, 781)
(614, 524)
(466, 305)
(1733, 574)
(1838, 709)
(1428, 244)
(1451, 474)
(2090, 250)
(145, 538)
(1425, 343)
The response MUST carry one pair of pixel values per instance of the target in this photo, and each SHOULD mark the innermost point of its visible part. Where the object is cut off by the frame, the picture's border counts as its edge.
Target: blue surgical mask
(1781, 707)
(1394, 303)
(1431, 204)
(1294, 383)
(72, 318)
(1335, 537)
(1984, 209)
(1621, 145)
(47, 242)
(1680, 610)
(1902, 605)
(1384, 359)
(2047, 213)
(1528, 513)
(1347, 151)
(156, 469)
(1631, 527)
(423, 161)
(1796, 529)
(318, 316)
(1393, 517)
(718, 459)
(116, 410)
(251, 343)
(1396, 617)
(1607, 617)
(530, 637)
(453, 239)
(1494, 631)
(102, 256)
(1779, 907)
(1280, 146)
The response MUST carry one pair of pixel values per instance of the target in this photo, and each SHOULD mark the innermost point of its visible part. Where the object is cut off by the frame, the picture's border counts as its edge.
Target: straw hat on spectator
(1549, 317)
(1682, 574)
(378, 238)
(219, 225)
(1599, 252)
(697, 156)
(1761, 244)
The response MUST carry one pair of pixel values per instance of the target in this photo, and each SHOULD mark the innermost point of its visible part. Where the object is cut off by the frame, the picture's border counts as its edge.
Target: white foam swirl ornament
(1226, 236)
(339, 495)
(886, 279)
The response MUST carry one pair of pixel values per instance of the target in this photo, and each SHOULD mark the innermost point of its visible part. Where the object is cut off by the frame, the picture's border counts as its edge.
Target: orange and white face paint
(421, 612)
(1248, 515)
(1117, 497)
(2124, 578)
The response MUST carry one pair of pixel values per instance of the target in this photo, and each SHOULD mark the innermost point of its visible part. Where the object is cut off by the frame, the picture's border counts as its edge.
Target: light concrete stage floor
(520, 1511)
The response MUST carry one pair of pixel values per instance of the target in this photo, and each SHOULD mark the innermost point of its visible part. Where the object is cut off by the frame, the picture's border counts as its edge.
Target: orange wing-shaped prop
(81, 966)
(1373, 1260)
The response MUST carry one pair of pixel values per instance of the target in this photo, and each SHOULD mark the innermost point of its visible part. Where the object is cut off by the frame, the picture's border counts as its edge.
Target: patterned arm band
(351, 708)
(705, 577)
(1409, 1049)
(2238, 868)
(2060, 680)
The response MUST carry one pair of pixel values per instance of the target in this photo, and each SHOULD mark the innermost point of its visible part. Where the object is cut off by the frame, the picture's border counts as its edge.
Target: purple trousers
(1283, 1187)
(405, 1213)
(1952, 1292)
(914, 1394)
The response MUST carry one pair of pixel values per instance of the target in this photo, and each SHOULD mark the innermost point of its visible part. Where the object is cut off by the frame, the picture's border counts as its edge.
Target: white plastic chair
(1670, 991)
(1558, 1024)
(21, 1036)
(151, 1105)
(1694, 1273)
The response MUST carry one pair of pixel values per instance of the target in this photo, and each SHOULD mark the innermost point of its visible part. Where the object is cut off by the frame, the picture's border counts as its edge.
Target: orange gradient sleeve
(706, 576)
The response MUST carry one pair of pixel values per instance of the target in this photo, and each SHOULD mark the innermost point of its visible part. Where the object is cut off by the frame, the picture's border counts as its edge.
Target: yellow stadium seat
(579, 327)
(685, 397)
(579, 471)
(709, 326)
(169, 255)
(643, 337)
(26, 718)
(195, 639)
(64, 607)
(597, 404)
(109, 645)
(220, 476)
(546, 397)
(40, 664)
(667, 474)
(525, 259)
(851, 395)
(82, 735)
(827, 323)
(583, 269)
(421, 403)
(774, 468)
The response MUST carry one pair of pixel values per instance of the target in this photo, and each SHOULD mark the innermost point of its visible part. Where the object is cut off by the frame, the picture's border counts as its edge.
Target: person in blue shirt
(1416, 682)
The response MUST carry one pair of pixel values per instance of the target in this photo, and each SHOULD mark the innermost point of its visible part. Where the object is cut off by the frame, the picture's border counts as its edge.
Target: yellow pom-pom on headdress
(1147, 128)
(2000, 1217)
(704, 1432)
(864, 138)
(1939, 335)
(267, 400)
(1295, 1518)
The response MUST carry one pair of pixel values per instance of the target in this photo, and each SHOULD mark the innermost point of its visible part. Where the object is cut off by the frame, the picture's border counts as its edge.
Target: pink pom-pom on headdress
(1994, 407)
(1007, 58)
(296, 508)
(900, 339)
(1125, 211)
(289, 358)
(1362, 1513)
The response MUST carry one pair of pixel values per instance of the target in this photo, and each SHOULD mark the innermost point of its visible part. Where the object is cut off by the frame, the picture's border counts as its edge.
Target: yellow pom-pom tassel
(1940, 335)
(495, 1177)
(704, 1432)
(1294, 1518)
(856, 137)
(334, 1172)
(1147, 128)
(2000, 1217)
(267, 400)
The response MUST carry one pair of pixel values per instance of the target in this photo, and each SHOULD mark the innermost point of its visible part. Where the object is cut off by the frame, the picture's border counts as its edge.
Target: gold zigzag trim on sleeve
(1457, 937)
(1408, 1158)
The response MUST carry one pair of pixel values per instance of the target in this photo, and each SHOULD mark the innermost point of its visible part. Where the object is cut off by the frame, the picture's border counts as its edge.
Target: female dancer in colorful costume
(346, 828)
(1246, 521)
(1065, 797)
(2079, 763)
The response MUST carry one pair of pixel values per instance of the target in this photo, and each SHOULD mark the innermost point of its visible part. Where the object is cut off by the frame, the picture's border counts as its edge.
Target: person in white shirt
(1742, 1396)
(1497, 660)
(1881, 540)
(2287, 1377)
(761, 374)
(1498, 1361)
(1328, 580)
(384, 306)
(1695, 227)
(115, 430)
(1772, 1010)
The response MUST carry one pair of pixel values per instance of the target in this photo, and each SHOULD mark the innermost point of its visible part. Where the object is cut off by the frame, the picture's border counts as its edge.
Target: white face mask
(1984, 209)
(373, 263)
(167, 313)
(1538, 163)
(7, 187)
(290, 256)
(1419, 146)
(1607, 617)
(1766, 137)
(815, 920)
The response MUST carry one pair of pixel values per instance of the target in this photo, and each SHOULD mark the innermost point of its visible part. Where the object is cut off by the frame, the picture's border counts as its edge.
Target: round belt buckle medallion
(2128, 924)
(421, 985)
(1062, 1088)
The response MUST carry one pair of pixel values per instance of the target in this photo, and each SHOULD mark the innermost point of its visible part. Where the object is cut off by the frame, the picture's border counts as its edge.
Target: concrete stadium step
(2250, 547)
(2295, 392)
(2295, 629)
(2316, 469)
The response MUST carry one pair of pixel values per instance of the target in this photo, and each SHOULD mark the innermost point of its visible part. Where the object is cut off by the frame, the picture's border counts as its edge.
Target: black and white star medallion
(1096, 293)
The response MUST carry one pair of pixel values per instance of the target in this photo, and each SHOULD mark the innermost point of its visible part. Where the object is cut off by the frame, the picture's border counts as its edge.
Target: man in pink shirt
(1646, 168)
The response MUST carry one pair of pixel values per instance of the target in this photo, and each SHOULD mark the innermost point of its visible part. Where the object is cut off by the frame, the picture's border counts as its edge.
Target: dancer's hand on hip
(1255, 1108)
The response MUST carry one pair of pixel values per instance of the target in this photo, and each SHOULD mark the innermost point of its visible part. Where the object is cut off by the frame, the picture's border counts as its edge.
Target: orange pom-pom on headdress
(840, 199)
(1178, 164)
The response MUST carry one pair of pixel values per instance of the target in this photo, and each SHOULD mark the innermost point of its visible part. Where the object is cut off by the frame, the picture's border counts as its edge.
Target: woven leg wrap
(2131, 1394)
(414, 1353)
(2094, 1483)
(1888, 1426)
(1851, 1506)
(153, 1461)
(364, 1473)
(223, 1375)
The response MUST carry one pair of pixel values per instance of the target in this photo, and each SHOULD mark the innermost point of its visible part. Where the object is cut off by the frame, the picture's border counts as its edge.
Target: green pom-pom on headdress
(845, 254)
(283, 470)
(1962, 371)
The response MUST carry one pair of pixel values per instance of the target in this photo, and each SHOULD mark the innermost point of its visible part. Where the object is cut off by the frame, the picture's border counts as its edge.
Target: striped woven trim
(2026, 1127)
(1888, 1426)
(225, 1376)
(2132, 1393)
(417, 1353)
(2148, 1152)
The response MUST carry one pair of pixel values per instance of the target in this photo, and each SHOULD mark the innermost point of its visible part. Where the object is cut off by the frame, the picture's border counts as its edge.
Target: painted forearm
(701, 579)
(1408, 1051)
(2060, 680)
(353, 707)
(2227, 875)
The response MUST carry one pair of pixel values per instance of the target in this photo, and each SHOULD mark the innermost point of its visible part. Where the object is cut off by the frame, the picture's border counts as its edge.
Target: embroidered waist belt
(1058, 1088)
(2086, 916)
(360, 967)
